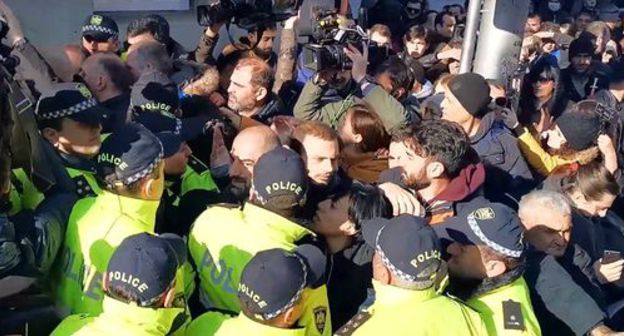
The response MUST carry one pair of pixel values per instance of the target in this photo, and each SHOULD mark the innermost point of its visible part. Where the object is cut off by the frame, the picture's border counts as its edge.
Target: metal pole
(470, 36)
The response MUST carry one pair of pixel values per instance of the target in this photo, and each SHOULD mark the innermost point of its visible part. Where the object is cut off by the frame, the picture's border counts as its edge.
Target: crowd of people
(238, 192)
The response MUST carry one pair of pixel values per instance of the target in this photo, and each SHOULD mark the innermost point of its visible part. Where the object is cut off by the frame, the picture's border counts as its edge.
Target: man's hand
(292, 21)
(360, 61)
(609, 273)
(217, 99)
(510, 118)
(606, 147)
(213, 29)
(403, 202)
(220, 159)
(16, 34)
(602, 330)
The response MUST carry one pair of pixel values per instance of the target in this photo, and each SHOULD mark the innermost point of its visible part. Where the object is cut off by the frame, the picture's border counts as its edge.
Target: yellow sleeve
(316, 317)
(207, 324)
(537, 157)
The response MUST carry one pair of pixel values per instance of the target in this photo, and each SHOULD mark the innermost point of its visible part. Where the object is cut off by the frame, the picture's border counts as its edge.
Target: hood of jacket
(467, 182)
(486, 125)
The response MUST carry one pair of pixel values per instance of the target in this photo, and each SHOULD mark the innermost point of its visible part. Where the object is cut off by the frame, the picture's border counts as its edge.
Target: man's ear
(147, 187)
(51, 135)
(105, 281)
(357, 138)
(261, 93)
(494, 268)
(435, 169)
(380, 271)
(398, 93)
(348, 228)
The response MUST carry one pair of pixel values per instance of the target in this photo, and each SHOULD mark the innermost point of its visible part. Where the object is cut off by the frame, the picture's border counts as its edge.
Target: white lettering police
(151, 106)
(106, 157)
(250, 293)
(289, 186)
(129, 279)
(433, 254)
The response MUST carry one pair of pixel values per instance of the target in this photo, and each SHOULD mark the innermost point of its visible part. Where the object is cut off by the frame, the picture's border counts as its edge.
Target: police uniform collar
(138, 209)
(489, 285)
(392, 295)
(77, 162)
(162, 319)
(259, 216)
(246, 323)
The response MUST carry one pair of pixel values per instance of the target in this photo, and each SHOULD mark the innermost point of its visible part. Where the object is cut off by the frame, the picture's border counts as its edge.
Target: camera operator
(252, 46)
(331, 92)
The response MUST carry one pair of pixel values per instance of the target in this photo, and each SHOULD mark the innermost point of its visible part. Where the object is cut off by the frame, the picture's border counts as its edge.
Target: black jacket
(598, 76)
(117, 112)
(506, 170)
(273, 107)
(349, 274)
(316, 193)
(565, 298)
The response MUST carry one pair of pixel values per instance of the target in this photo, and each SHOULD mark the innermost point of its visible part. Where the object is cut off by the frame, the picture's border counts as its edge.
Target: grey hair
(546, 199)
(155, 53)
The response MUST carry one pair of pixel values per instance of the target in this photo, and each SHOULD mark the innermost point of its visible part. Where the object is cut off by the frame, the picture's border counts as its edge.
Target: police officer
(139, 288)
(69, 118)
(189, 185)
(270, 293)
(486, 264)
(100, 34)
(130, 164)
(224, 239)
(406, 263)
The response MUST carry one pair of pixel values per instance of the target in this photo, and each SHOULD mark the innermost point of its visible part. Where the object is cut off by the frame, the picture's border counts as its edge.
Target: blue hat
(406, 244)
(483, 223)
(128, 155)
(280, 172)
(274, 280)
(155, 92)
(100, 27)
(69, 100)
(145, 265)
(186, 128)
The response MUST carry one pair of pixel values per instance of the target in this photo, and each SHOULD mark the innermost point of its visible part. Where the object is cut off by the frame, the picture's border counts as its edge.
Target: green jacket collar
(387, 295)
(289, 229)
(162, 321)
(244, 323)
(140, 210)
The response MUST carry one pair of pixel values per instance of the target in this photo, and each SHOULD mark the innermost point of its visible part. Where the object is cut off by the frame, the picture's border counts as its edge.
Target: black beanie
(473, 93)
(581, 46)
(581, 129)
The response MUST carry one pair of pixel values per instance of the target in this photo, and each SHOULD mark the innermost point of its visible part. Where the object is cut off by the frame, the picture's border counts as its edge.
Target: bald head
(106, 75)
(249, 145)
(148, 56)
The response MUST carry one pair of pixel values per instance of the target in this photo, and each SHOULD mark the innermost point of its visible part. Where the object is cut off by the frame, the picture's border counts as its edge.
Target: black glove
(510, 118)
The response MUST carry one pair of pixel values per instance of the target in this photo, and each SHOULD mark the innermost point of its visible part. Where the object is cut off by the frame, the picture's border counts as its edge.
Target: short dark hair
(55, 124)
(584, 12)
(118, 73)
(153, 24)
(366, 202)
(417, 32)
(439, 19)
(442, 140)
(534, 15)
(400, 74)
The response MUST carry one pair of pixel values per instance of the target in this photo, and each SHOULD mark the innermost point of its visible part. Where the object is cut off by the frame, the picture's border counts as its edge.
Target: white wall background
(51, 24)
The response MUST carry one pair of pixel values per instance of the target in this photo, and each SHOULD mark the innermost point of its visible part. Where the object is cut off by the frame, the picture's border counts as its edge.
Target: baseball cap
(100, 27)
(69, 100)
(186, 128)
(484, 223)
(128, 155)
(472, 91)
(280, 172)
(145, 265)
(155, 92)
(406, 244)
(274, 280)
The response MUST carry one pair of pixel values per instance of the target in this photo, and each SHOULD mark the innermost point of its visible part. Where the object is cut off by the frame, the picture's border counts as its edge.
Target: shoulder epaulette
(353, 324)
(197, 165)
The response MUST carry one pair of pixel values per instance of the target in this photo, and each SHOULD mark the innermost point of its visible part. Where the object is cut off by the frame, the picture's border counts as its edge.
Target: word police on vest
(107, 157)
(252, 295)
(129, 279)
(156, 106)
(284, 186)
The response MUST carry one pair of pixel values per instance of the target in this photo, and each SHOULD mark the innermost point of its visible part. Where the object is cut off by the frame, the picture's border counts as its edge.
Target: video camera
(247, 14)
(326, 52)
